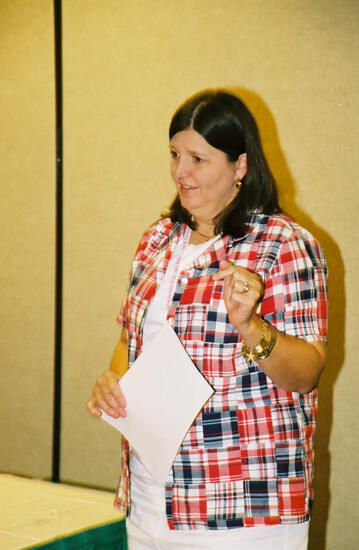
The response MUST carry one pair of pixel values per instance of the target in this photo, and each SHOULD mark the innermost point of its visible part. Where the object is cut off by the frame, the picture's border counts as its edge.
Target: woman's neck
(202, 233)
(205, 227)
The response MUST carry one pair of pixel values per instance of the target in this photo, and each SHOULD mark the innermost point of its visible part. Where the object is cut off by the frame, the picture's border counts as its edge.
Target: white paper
(164, 392)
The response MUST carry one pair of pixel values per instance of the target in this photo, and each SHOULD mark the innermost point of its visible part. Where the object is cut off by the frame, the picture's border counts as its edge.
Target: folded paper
(164, 392)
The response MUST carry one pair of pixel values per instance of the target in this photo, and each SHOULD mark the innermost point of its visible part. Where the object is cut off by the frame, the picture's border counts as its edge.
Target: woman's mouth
(186, 188)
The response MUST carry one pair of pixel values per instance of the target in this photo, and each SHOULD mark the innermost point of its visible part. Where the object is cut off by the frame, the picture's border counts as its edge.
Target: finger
(107, 386)
(92, 409)
(109, 403)
(241, 286)
(119, 396)
(240, 298)
(105, 399)
(114, 411)
(236, 298)
(229, 269)
(226, 270)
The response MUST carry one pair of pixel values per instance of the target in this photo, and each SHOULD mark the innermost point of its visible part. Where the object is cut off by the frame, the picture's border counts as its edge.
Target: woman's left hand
(243, 289)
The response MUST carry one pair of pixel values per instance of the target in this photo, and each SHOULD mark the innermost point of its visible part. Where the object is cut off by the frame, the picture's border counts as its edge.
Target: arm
(107, 393)
(119, 361)
(294, 364)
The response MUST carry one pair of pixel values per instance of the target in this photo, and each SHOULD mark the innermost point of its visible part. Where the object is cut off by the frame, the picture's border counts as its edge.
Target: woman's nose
(181, 168)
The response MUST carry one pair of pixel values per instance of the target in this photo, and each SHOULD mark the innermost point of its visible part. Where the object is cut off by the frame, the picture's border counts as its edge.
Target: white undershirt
(157, 311)
(148, 513)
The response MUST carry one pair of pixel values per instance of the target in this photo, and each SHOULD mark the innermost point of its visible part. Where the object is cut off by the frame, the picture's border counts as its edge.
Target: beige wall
(27, 245)
(127, 65)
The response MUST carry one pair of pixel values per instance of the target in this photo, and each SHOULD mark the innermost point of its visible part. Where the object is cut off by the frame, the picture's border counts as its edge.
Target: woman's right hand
(107, 395)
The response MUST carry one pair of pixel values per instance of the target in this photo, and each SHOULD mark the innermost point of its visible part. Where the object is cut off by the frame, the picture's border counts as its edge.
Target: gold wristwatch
(265, 345)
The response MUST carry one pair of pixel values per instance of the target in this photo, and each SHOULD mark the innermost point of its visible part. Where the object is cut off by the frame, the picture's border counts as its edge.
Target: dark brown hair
(227, 124)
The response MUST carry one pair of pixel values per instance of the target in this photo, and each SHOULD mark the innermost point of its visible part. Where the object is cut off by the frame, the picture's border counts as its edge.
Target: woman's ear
(241, 166)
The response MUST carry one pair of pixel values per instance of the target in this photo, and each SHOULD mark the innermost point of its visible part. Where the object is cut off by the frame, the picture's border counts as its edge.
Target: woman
(244, 288)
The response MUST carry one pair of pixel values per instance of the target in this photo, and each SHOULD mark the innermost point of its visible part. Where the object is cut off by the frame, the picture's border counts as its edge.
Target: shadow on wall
(286, 187)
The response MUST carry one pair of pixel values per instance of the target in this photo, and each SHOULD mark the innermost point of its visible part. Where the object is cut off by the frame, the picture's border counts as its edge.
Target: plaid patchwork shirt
(247, 459)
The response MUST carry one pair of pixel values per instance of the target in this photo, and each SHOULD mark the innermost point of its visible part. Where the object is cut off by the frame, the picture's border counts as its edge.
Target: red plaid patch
(258, 461)
(255, 425)
(224, 464)
(190, 504)
(292, 500)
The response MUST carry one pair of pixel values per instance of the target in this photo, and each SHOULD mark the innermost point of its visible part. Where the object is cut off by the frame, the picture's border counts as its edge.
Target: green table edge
(113, 531)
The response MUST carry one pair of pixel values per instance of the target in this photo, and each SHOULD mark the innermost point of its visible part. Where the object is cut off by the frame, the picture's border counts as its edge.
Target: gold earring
(238, 184)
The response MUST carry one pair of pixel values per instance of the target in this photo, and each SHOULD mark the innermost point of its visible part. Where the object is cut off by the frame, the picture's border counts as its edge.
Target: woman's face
(204, 177)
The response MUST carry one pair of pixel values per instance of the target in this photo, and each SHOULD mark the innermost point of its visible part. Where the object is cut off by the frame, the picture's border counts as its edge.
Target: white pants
(252, 538)
(147, 525)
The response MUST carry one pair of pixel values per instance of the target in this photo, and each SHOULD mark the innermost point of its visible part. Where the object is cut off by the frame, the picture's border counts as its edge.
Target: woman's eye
(173, 154)
(197, 159)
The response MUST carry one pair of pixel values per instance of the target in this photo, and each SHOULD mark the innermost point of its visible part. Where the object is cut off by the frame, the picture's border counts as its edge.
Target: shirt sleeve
(141, 247)
(296, 298)
(121, 316)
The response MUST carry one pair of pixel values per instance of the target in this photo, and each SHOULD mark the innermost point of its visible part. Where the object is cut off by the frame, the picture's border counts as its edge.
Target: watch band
(264, 346)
